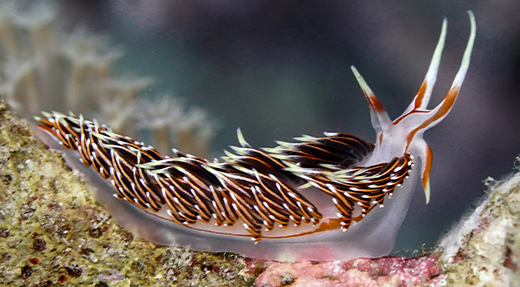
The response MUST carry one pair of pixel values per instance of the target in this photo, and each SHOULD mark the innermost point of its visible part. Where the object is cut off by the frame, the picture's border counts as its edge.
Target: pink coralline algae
(385, 271)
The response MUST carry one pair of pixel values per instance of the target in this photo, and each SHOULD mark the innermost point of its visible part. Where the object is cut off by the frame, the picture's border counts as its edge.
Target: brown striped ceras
(252, 185)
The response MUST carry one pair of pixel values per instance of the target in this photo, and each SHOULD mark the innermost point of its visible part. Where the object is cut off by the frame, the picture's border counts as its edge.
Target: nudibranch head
(405, 134)
(314, 199)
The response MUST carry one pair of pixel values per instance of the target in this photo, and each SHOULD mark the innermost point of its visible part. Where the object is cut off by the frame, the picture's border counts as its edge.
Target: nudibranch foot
(313, 199)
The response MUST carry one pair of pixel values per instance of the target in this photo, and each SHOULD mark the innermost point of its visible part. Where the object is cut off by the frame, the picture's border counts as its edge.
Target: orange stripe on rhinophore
(374, 102)
(445, 108)
(420, 94)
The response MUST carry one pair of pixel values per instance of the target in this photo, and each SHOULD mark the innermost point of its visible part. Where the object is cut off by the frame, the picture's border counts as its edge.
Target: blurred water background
(279, 69)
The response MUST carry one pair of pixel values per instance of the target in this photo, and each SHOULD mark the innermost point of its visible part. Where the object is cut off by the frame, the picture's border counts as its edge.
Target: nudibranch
(319, 198)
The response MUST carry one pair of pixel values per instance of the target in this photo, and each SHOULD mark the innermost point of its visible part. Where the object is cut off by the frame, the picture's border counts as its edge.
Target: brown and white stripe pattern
(259, 188)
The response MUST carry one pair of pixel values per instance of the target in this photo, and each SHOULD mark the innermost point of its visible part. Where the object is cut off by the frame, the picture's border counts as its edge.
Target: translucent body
(373, 236)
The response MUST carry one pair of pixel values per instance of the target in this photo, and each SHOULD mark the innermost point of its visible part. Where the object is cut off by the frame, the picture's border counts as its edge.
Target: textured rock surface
(52, 231)
(484, 250)
(386, 271)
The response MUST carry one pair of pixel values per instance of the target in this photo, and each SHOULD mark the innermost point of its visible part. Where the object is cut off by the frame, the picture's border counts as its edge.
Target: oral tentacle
(424, 152)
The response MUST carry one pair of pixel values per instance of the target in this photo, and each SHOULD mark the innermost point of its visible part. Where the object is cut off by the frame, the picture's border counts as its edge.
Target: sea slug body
(320, 198)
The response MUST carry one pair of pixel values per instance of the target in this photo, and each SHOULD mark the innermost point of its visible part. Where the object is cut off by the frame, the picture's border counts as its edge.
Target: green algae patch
(52, 232)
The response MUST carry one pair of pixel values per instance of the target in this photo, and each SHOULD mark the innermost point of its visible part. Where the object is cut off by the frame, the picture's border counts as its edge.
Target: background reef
(47, 66)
